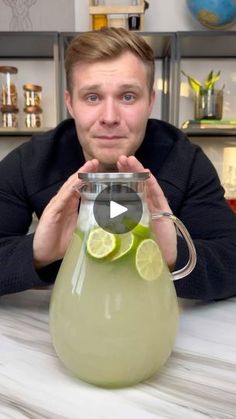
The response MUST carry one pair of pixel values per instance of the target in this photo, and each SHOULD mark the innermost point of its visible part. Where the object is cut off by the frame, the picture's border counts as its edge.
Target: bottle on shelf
(33, 117)
(99, 20)
(32, 109)
(9, 116)
(8, 89)
(32, 94)
(117, 21)
(134, 19)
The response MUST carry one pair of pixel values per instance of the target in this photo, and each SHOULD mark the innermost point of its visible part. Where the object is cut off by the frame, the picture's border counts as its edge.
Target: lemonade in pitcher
(113, 311)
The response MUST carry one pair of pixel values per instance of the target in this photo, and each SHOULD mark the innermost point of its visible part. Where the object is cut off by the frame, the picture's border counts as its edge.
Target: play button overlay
(118, 209)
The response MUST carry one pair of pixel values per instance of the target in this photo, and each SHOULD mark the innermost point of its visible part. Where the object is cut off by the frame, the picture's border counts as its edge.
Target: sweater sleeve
(16, 249)
(212, 226)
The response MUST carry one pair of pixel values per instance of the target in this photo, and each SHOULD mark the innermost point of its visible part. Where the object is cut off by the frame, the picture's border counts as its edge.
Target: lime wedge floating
(148, 260)
(101, 243)
(142, 230)
(127, 243)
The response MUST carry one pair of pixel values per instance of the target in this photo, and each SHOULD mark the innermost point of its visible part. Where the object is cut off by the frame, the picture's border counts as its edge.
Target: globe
(214, 14)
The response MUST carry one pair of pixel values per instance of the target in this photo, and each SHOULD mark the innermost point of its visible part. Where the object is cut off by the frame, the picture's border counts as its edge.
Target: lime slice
(101, 243)
(127, 243)
(142, 230)
(148, 260)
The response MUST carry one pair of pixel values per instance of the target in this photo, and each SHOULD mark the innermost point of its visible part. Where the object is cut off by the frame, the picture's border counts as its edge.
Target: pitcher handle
(190, 265)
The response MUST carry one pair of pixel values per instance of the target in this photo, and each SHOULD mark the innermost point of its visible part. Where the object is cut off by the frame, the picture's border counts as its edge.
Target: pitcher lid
(114, 176)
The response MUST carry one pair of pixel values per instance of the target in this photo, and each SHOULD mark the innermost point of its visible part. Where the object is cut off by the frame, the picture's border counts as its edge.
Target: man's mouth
(109, 137)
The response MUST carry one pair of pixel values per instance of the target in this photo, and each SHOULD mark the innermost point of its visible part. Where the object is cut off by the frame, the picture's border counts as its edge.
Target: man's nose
(110, 114)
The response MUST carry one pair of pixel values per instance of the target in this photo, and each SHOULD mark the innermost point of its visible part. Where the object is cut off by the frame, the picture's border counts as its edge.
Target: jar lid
(9, 109)
(33, 109)
(32, 87)
(114, 176)
(8, 69)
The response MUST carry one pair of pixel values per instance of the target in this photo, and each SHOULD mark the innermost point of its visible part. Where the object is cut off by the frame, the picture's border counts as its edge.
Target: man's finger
(129, 164)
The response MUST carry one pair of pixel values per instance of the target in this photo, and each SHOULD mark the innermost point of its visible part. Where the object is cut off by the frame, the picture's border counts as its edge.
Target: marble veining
(198, 381)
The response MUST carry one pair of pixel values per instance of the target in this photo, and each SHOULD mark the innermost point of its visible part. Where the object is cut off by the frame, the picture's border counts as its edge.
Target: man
(110, 95)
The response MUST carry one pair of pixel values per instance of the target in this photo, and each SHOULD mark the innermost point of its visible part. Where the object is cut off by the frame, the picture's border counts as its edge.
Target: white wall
(40, 15)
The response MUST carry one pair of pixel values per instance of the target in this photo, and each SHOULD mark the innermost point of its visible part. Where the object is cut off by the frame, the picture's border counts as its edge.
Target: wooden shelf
(211, 132)
(19, 132)
(28, 44)
(112, 9)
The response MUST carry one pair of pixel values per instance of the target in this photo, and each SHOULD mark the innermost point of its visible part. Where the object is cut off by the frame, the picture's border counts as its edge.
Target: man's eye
(128, 97)
(92, 98)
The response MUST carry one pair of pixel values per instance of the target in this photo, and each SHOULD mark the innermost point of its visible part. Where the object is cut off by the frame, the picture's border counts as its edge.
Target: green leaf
(208, 84)
(193, 83)
(210, 75)
(211, 79)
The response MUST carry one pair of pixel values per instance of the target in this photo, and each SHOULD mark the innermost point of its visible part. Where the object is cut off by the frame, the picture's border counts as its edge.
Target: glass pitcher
(114, 310)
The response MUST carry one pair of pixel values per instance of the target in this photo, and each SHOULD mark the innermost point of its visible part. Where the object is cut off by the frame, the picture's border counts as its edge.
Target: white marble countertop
(198, 381)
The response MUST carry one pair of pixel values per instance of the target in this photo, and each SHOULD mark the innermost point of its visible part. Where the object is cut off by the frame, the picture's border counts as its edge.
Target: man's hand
(163, 228)
(58, 220)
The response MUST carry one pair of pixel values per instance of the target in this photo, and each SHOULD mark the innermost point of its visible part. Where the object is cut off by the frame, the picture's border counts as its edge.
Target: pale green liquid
(109, 326)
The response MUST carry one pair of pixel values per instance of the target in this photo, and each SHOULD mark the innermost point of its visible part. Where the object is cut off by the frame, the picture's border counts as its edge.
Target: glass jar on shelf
(134, 18)
(117, 21)
(9, 116)
(32, 94)
(8, 89)
(33, 117)
(99, 19)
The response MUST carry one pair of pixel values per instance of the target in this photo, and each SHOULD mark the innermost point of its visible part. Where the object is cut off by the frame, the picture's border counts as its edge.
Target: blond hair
(107, 44)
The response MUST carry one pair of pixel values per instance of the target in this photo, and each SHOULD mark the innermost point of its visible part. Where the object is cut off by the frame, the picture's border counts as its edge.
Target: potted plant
(208, 100)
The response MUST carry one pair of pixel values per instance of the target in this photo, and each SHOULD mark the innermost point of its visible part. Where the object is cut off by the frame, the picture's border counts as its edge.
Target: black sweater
(32, 173)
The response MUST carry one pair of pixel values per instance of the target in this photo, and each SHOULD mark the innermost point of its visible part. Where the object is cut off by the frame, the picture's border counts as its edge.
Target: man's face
(110, 104)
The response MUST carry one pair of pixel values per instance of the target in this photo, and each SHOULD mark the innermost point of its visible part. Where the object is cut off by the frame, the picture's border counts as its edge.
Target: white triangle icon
(116, 209)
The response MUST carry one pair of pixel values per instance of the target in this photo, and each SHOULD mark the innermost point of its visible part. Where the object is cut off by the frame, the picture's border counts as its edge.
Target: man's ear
(152, 100)
(68, 100)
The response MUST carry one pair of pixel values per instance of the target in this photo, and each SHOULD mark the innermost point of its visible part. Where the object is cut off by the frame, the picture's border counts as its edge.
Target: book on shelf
(209, 124)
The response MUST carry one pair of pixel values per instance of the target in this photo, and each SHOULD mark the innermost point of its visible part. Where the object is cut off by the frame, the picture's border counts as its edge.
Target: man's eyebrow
(89, 88)
(130, 86)
(97, 87)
